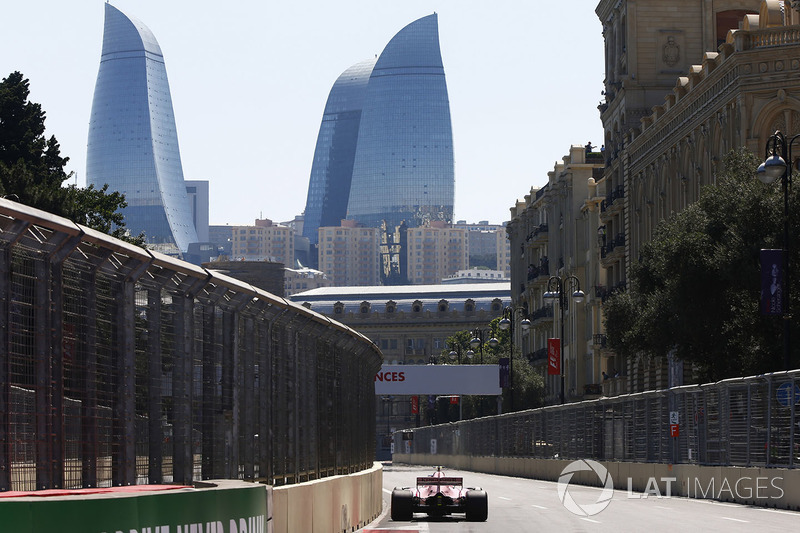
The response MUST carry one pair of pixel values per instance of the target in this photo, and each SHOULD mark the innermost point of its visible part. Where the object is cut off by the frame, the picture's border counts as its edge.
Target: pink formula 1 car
(439, 495)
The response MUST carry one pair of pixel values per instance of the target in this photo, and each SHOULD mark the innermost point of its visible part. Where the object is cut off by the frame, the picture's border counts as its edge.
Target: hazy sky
(249, 81)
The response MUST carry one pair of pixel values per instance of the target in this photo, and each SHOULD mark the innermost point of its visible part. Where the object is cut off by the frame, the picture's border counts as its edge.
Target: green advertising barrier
(242, 509)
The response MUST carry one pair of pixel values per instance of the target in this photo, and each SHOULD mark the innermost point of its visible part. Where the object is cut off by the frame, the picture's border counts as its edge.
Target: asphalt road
(517, 504)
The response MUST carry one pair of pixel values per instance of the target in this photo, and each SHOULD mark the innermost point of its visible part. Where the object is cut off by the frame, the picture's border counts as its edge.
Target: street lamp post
(455, 351)
(477, 342)
(507, 322)
(561, 286)
(778, 164)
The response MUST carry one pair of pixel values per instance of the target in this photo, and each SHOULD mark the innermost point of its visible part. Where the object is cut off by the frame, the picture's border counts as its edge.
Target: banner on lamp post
(505, 368)
(772, 276)
(554, 357)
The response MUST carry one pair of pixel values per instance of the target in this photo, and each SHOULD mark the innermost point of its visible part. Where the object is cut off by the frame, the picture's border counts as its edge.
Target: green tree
(528, 384)
(32, 169)
(695, 289)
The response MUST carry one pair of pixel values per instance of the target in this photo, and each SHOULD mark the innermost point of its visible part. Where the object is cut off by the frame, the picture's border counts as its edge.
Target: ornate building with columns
(741, 86)
(686, 82)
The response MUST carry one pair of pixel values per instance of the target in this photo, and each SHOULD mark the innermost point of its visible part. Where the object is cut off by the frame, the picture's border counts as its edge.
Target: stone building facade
(349, 254)
(436, 251)
(686, 82)
(263, 241)
(552, 235)
(742, 86)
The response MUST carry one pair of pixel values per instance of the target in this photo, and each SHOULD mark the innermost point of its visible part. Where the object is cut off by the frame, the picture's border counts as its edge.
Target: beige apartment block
(264, 241)
(349, 254)
(553, 237)
(436, 251)
(673, 111)
(503, 252)
(487, 240)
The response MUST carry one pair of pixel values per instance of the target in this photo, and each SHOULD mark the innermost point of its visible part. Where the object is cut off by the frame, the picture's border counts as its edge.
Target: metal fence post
(154, 391)
(247, 390)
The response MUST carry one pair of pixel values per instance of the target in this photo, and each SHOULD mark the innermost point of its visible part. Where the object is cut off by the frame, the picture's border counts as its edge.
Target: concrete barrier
(329, 505)
(217, 505)
(767, 487)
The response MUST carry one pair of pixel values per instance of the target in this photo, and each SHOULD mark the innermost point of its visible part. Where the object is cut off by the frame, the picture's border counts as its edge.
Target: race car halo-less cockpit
(439, 495)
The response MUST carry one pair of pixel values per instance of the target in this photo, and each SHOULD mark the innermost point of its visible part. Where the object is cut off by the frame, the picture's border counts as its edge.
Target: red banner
(554, 357)
(415, 405)
(453, 400)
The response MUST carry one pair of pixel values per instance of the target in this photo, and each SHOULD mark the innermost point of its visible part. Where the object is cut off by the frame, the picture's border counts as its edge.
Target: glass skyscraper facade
(404, 168)
(398, 164)
(332, 169)
(133, 140)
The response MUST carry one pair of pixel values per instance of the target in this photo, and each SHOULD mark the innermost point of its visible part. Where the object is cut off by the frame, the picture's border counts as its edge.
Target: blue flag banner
(772, 279)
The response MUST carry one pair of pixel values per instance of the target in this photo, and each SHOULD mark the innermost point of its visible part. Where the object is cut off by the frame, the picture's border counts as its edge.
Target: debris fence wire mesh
(751, 421)
(120, 366)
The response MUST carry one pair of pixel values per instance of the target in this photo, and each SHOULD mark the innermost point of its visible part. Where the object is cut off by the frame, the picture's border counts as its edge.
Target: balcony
(592, 391)
(541, 316)
(541, 273)
(537, 357)
(613, 250)
(612, 204)
(603, 292)
(615, 386)
(538, 235)
(599, 339)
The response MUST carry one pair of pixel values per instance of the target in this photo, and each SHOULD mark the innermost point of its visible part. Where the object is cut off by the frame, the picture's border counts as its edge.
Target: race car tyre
(402, 505)
(477, 506)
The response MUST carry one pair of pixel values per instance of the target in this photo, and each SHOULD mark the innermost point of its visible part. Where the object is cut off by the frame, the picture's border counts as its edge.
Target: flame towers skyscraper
(133, 140)
(398, 164)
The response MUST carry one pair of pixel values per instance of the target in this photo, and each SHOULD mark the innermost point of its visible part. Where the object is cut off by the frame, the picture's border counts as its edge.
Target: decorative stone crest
(671, 52)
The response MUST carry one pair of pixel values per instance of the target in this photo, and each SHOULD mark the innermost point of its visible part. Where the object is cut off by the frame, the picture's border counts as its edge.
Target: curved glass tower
(133, 141)
(403, 168)
(329, 187)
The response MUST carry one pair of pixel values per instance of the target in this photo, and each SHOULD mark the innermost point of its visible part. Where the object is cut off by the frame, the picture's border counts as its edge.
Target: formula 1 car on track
(439, 495)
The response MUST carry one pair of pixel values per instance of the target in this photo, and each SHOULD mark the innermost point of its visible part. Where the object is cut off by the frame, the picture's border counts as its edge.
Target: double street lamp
(557, 288)
(477, 342)
(455, 351)
(507, 322)
(778, 164)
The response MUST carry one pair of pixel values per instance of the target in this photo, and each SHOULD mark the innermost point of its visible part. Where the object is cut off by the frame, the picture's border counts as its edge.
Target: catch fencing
(120, 366)
(752, 421)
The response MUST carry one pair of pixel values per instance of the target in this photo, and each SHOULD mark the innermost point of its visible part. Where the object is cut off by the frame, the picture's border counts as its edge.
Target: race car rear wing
(440, 481)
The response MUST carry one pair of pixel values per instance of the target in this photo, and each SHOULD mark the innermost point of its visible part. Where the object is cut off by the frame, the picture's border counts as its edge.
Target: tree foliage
(32, 168)
(695, 289)
(528, 384)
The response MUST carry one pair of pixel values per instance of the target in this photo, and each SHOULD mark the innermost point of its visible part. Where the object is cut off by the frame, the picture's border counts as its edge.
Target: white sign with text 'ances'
(438, 379)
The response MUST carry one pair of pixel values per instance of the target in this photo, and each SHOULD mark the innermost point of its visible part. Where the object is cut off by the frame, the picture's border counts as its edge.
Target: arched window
(469, 306)
(497, 305)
